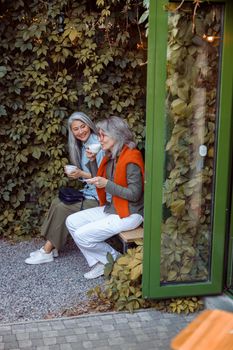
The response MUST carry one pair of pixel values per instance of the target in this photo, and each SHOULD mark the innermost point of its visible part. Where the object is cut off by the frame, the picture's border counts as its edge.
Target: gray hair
(75, 145)
(118, 129)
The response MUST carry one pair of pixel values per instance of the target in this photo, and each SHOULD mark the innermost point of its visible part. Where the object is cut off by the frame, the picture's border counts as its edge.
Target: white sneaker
(40, 258)
(96, 271)
(55, 252)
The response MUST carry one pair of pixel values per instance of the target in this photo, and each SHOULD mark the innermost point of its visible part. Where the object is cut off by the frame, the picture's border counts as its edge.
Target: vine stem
(179, 6)
(197, 3)
(139, 32)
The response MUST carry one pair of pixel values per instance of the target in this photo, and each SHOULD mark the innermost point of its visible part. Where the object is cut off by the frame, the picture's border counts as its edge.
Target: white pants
(91, 227)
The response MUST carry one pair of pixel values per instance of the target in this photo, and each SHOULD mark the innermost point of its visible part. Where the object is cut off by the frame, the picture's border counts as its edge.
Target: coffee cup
(70, 168)
(94, 147)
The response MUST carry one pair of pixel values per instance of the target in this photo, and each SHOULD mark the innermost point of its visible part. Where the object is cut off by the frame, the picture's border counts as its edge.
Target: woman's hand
(90, 155)
(98, 181)
(74, 174)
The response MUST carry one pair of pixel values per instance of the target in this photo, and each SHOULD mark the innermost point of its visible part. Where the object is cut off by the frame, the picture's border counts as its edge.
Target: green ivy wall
(57, 57)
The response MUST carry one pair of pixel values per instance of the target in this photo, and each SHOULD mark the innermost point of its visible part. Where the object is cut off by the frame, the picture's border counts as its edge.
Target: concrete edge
(93, 314)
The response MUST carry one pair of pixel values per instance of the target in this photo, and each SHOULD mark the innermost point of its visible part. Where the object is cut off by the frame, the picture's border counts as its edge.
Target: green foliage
(185, 305)
(3, 71)
(58, 57)
(191, 105)
(145, 16)
(123, 284)
(123, 287)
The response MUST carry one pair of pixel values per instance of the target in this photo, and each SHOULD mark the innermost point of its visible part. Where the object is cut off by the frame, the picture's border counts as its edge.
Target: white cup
(70, 168)
(94, 148)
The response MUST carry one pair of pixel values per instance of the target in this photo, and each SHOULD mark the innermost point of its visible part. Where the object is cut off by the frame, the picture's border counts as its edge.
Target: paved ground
(143, 330)
(27, 293)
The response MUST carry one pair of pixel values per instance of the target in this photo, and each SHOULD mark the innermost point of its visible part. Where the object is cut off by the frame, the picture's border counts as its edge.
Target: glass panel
(192, 85)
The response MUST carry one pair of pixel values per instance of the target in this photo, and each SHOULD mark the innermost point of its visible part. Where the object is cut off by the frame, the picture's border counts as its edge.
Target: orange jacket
(127, 156)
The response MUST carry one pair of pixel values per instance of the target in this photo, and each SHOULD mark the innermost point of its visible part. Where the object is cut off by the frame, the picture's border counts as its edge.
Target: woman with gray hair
(119, 184)
(82, 136)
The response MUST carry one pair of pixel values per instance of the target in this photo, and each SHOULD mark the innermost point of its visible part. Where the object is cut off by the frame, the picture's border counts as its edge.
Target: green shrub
(123, 287)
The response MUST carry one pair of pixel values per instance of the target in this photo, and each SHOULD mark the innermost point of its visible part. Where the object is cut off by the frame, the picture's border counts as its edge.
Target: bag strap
(83, 199)
(81, 208)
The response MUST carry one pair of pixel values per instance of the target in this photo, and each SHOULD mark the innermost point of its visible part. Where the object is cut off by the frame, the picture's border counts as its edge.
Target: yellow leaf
(136, 272)
(139, 242)
(172, 275)
(73, 34)
(177, 206)
(124, 260)
(178, 106)
(134, 263)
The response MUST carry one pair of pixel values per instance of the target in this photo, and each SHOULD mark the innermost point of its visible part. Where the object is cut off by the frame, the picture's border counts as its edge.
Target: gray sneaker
(96, 271)
(54, 251)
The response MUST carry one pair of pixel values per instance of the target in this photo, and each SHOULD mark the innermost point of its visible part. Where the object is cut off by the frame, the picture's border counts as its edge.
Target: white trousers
(91, 227)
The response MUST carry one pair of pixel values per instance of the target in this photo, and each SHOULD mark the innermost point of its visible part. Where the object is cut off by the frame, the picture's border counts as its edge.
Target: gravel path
(30, 292)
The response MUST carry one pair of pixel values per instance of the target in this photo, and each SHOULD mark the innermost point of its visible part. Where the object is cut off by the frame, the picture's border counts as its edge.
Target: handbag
(70, 195)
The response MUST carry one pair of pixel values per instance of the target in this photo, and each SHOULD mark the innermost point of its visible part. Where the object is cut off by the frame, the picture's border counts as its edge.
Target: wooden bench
(129, 237)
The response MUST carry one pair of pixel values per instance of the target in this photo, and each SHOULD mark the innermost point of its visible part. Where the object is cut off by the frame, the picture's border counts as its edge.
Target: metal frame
(155, 132)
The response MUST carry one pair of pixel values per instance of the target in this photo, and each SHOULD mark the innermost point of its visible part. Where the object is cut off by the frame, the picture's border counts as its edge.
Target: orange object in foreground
(211, 330)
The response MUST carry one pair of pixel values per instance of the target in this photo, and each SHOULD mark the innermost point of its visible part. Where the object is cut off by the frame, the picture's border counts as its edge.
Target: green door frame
(229, 277)
(155, 136)
(229, 282)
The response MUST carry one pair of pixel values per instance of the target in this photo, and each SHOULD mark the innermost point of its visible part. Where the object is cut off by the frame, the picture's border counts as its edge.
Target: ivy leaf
(73, 34)
(100, 3)
(144, 17)
(123, 260)
(21, 195)
(107, 269)
(2, 110)
(178, 107)
(110, 258)
(98, 102)
(6, 196)
(36, 153)
(136, 272)
(23, 158)
(3, 71)
(177, 133)
(172, 275)
(177, 207)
